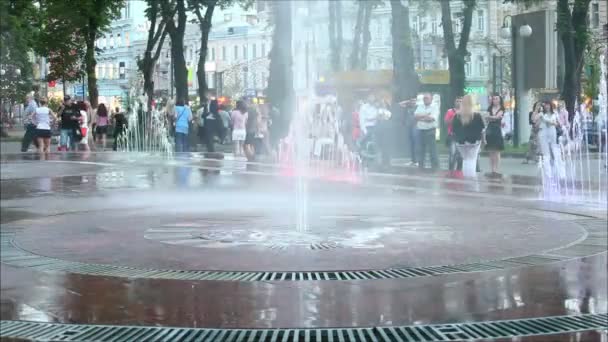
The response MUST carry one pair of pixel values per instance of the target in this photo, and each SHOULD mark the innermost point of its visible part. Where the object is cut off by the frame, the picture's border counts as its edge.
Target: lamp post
(513, 32)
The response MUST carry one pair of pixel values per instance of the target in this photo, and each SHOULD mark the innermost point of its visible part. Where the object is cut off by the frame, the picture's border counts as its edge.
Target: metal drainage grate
(15, 256)
(417, 333)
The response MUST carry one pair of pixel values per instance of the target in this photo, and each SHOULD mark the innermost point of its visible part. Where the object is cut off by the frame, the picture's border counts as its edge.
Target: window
(480, 21)
(434, 26)
(111, 41)
(255, 51)
(263, 50)
(481, 66)
(110, 71)
(415, 26)
(467, 68)
(595, 15)
(245, 52)
(128, 10)
(236, 52)
(121, 70)
(223, 53)
(213, 54)
(118, 40)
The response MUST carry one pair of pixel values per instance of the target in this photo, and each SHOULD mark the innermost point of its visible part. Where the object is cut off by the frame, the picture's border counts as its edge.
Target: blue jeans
(67, 137)
(426, 141)
(181, 142)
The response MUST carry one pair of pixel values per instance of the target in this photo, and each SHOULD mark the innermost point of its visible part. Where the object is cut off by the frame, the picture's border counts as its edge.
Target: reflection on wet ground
(89, 185)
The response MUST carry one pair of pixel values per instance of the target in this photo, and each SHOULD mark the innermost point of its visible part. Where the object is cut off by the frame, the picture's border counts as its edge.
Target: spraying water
(147, 130)
(582, 178)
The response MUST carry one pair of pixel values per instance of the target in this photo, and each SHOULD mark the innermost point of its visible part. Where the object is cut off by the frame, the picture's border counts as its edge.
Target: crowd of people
(247, 127)
(75, 121)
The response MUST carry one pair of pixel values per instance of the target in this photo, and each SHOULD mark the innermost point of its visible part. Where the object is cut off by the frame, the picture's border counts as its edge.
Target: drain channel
(417, 333)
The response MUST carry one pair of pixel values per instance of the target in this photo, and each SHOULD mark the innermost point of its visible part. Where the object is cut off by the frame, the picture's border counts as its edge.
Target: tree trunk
(332, 35)
(405, 78)
(456, 54)
(176, 32)
(573, 33)
(339, 35)
(90, 64)
(367, 36)
(280, 80)
(205, 25)
(354, 56)
(148, 73)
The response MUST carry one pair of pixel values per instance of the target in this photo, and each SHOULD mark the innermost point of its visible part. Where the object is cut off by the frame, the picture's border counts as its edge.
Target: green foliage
(17, 29)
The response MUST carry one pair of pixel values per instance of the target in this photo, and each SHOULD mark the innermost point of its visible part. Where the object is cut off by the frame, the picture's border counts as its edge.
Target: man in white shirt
(368, 114)
(427, 119)
(30, 126)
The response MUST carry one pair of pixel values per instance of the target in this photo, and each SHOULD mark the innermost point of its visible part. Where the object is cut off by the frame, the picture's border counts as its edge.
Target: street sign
(78, 90)
(250, 92)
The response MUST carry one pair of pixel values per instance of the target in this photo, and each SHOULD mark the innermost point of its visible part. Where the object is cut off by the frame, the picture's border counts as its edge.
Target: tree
(94, 17)
(456, 53)
(280, 81)
(75, 26)
(335, 34)
(154, 45)
(204, 22)
(17, 31)
(176, 28)
(405, 78)
(573, 30)
(362, 35)
(64, 52)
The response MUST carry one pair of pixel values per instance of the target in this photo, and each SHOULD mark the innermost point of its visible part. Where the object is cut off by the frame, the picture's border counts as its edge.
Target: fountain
(147, 130)
(579, 180)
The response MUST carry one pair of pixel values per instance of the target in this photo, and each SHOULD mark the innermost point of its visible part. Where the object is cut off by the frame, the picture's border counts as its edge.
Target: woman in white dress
(548, 139)
(84, 126)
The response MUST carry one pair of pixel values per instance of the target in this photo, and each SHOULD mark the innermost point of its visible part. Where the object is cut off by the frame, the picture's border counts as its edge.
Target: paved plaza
(120, 245)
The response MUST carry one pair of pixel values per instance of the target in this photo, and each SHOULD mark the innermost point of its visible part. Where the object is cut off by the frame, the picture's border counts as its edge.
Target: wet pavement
(194, 214)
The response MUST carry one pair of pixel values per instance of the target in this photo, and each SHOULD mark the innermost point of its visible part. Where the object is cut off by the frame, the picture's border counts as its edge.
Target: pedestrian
(384, 132)
(494, 140)
(212, 126)
(534, 122)
(101, 125)
(453, 156)
(30, 128)
(252, 141)
(467, 128)
(427, 117)
(43, 118)
(239, 127)
(552, 161)
(183, 118)
(83, 122)
(226, 122)
(409, 107)
(69, 114)
(120, 128)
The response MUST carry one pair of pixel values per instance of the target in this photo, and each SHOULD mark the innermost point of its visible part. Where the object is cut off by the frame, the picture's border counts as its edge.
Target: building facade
(117, 59)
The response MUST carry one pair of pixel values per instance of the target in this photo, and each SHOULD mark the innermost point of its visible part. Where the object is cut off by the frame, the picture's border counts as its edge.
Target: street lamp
(506, 30)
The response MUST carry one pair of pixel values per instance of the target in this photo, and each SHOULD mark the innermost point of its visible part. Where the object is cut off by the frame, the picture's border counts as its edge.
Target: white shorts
(239, 134)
